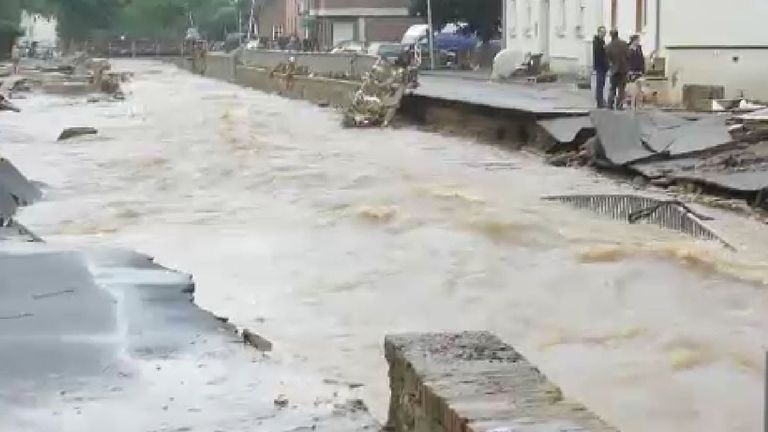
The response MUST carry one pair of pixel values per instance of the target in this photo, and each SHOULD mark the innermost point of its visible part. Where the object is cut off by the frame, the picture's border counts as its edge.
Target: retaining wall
(220, 66)
(473, 382)
(325, 64)
(320, 90)
(326, 91)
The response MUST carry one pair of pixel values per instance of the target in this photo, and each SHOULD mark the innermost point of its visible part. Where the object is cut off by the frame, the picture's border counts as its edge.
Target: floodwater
(323, 240)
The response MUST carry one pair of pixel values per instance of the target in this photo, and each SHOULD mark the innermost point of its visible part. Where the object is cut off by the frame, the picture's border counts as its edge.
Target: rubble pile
(377, 99)
(75, 74)
(722, 154)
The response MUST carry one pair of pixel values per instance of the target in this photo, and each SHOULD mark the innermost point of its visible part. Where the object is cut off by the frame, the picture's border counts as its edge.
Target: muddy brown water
(323, 240)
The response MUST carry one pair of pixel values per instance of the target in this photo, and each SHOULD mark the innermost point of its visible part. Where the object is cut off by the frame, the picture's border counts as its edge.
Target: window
(645, 13)
(512, 16)
(582, 14)
(529, 15)
(641, 15)
(563, 16)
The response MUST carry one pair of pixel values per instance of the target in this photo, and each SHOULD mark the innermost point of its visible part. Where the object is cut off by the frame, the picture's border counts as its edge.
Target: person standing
(15, 57)
(636, 59)
(617, 52)
(600, 65)
(636, 70)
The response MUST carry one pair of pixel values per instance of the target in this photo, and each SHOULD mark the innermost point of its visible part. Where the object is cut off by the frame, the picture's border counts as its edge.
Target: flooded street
(323, 240)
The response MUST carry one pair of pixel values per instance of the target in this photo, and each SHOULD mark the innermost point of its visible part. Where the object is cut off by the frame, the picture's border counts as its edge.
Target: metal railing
(673, 215)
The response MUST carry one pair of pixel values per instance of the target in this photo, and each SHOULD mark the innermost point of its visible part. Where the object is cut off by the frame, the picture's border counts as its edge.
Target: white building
(709, 42)
(38, 28)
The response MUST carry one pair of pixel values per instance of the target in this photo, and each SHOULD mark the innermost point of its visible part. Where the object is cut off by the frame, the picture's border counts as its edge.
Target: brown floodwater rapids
(325, 239)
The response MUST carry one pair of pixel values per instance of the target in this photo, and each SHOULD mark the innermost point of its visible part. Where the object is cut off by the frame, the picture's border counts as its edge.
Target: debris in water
(352, 385)
(6, 105)
(350, 406)
(256, 341)
(76, 131)
(671, 214)
(281, 401)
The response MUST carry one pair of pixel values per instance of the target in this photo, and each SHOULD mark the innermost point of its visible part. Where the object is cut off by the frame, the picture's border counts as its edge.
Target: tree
(78, 19)
(10, 15)
(483, 17)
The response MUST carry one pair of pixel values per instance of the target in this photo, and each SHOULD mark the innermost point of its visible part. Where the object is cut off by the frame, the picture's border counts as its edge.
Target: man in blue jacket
(600, 65)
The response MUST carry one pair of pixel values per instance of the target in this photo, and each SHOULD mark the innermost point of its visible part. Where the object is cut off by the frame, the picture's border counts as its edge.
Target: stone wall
(220, 66)
(324, 64)
(473, 382)
(325, 91)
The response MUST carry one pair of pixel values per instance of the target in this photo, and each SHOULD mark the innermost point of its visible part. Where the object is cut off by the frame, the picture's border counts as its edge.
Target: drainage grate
(671, 214)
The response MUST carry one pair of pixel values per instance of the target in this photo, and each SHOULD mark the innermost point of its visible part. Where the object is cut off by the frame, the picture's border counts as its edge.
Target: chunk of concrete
(565, 129)
(8, 205)
(15, 183)
(76, 131)
(620, 136)
(690, 137)
(474, 382)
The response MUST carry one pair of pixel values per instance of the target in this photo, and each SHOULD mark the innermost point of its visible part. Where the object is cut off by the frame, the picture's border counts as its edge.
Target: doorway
(343, 31)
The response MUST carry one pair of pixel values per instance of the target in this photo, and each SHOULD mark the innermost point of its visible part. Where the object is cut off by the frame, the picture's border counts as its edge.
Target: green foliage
(80, 20)
(166, 18)
(482, 16)
(10, 14)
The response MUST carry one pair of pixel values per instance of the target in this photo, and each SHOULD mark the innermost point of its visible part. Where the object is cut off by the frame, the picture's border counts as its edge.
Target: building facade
(38, 28)
(334, 21)
(708, 42)
(278, 18)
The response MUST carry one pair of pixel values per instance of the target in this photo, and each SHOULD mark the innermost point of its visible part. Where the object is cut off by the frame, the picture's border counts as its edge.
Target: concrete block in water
(474, 382)
(76, 131)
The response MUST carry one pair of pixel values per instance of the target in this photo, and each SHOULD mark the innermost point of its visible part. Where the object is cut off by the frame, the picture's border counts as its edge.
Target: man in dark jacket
(600, 65)
(618, 58)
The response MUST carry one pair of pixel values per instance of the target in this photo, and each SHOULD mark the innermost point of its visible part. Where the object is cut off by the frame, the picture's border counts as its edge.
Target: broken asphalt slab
(628, 137)
(15, 191)
(17, 184)
(565, 130)
(620, 136)
(87, 337)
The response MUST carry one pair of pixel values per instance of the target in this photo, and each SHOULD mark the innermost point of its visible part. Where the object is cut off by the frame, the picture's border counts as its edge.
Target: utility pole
(431, 36)
(250, 20)
(239, 18)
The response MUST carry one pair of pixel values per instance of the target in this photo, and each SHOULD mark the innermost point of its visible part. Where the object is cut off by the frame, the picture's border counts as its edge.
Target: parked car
(350, 47)
(389, 50)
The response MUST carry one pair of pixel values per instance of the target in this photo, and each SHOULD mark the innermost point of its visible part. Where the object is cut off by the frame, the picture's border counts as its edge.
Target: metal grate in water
(673, 214)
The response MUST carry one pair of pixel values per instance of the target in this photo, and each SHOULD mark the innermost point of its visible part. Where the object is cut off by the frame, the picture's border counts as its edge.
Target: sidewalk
(550, 99)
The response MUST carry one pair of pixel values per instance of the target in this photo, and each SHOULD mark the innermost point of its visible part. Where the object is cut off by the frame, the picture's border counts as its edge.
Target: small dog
(636, 93)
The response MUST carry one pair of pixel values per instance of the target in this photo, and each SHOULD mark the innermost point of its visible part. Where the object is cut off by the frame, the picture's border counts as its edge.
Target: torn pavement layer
(87, 338)
(628, 137)
(15, 191)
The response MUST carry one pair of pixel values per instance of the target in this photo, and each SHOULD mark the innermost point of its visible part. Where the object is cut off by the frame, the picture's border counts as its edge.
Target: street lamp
(431, 35)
